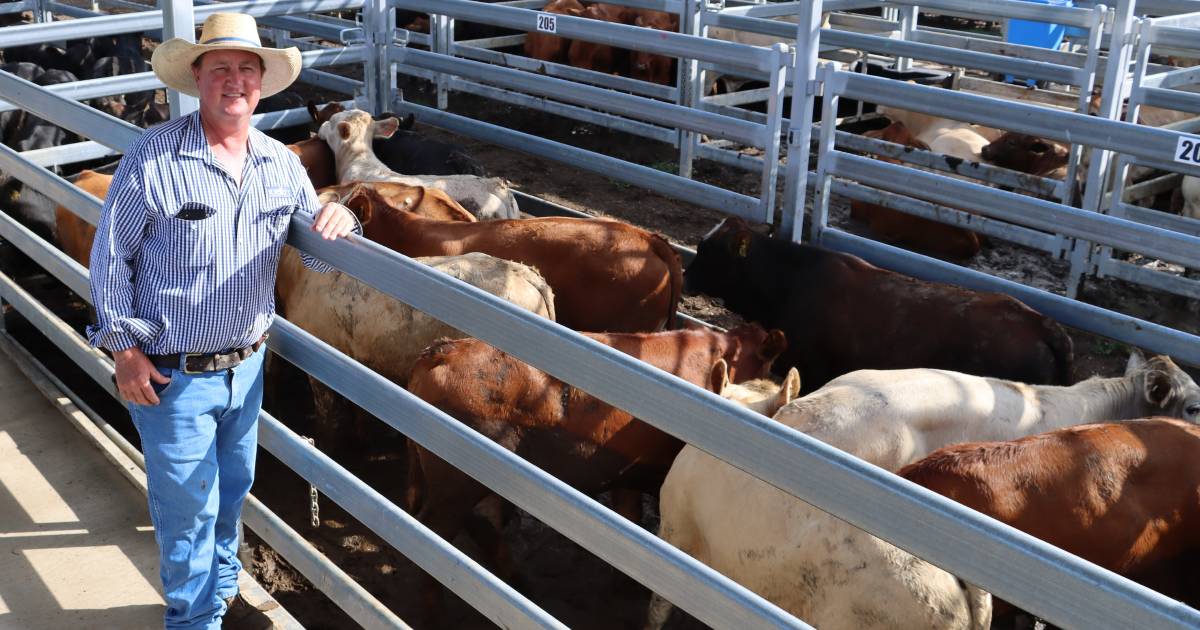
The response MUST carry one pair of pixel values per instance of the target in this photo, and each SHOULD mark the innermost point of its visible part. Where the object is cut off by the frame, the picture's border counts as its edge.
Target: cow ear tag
(743, 247)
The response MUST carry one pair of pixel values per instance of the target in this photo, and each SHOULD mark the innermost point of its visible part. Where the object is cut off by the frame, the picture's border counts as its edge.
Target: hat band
(230, 39)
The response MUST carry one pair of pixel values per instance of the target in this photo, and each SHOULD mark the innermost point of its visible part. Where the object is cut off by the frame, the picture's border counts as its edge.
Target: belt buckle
(188, 355)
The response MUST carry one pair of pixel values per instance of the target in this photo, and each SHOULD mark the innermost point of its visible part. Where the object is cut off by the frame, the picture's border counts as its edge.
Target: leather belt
(199, 362)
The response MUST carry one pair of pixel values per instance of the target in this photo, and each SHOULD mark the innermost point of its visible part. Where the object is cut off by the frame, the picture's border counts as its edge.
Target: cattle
(348, 134)
(552, 47)
(562, 430)
(890, 419)
(606, 275)
(11, 121)
(918, 233)
(843, 314)
(36, 133)
(370, 199)
(602, 57)
(43, 55)
(409, 153)
(317, 159)
(1123, 496)
(1028, 154)
(284, 100)
(75, 236)
(120, 105)
(381, 332)
(649, 66)
(762, 396)
(1190, 189)
(927, 128)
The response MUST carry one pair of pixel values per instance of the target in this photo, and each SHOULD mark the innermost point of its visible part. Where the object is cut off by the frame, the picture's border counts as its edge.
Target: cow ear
(344, 130)
(312, 109)
(790, 389)
(740, 244)
(1159, 388)
(773, 345)
(385, 128)
(718, 377)
(407, 121)
(1137, 361)
(359, 202)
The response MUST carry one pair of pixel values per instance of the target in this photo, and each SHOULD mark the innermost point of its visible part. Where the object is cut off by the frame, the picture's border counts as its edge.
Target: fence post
(378, 78)
(179, 21)
(799, 138)
(689, 79)
(781, 56)
(831, 91)
(907, 16)
(1112, 95)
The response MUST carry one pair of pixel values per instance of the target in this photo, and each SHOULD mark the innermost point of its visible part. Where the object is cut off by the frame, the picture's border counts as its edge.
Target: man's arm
(117, 244)
(333, 220)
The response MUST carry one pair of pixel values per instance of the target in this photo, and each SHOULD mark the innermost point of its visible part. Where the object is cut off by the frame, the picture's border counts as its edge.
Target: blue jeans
(200, 441)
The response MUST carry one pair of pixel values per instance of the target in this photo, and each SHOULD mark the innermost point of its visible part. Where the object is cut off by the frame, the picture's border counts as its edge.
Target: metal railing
(1040, 578)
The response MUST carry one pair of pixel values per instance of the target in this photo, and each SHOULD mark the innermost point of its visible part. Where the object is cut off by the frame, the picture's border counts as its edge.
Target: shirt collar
(195, 145)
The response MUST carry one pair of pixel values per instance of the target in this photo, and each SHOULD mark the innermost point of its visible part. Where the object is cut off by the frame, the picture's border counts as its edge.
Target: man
(183, 274)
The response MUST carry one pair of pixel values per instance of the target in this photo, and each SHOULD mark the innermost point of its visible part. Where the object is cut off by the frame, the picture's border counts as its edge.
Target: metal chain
(314, 509)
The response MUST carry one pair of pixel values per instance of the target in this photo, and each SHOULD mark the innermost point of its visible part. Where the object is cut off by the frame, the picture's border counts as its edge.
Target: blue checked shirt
(184, 260)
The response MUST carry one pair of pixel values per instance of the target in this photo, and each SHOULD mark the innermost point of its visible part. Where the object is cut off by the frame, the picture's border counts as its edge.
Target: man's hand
(334, 221)
(134, 373)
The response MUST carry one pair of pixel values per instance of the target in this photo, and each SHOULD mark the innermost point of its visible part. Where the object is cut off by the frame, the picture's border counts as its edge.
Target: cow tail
(662, 248)
(979, 602)
(1063, 349)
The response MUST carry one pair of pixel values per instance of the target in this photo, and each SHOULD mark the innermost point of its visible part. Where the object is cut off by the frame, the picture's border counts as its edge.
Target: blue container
(1040, 34)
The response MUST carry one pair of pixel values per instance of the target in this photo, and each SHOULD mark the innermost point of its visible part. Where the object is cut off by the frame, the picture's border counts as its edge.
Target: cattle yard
(584, 115)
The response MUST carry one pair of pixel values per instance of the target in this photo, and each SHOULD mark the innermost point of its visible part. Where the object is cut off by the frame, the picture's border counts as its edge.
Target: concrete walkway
(76, 546)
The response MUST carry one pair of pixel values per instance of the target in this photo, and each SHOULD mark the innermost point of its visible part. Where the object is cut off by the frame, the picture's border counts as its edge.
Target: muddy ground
(566, 580)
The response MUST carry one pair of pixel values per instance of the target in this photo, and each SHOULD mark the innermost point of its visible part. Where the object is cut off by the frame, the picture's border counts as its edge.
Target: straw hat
(172, 61)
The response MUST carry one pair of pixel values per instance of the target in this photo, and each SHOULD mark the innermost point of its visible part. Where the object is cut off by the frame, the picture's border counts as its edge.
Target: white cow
(948, 137)
(349, 134)
(834, 575)
(381, 332)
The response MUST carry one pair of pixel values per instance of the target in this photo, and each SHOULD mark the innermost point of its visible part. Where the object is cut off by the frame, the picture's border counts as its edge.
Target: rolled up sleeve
(309, 204)
(118, 242)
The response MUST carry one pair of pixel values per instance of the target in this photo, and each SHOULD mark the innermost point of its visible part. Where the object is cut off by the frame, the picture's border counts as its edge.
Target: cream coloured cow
(349, 135)
(834, 575)
(948, 137)
(381, 332)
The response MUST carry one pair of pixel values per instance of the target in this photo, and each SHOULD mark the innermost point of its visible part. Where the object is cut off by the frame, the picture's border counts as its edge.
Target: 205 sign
(547, 23)
(1187, 150)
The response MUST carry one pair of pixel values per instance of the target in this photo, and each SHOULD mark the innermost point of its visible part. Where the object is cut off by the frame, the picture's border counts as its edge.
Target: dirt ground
(569, 582)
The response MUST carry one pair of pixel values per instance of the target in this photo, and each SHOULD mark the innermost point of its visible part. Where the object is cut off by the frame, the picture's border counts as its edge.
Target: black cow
(842, 314)
(279, 102)
(120, 105)
(11, 121)
(37, 133)
(44, 55)
(125, 45)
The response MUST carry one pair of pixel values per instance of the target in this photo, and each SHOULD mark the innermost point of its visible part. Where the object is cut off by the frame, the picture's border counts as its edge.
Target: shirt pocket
(278, 217)
(190, 240)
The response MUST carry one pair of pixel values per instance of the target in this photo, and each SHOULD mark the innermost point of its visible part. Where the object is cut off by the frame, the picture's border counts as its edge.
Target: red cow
(601, 57)
(900, 228)
(562, 430)
(552, 47)
(648, 66)
(1124, 496)
(606, 275)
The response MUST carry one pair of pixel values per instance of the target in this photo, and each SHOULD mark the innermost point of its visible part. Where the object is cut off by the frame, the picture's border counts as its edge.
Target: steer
(349, 134)
(607, 276)
(381, 332)
(833, 575)
(842, 314)
(563, 430)
(1123, 496)
(552, 47)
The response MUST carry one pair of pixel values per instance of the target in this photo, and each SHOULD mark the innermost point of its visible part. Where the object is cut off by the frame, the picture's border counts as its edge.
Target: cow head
(1025, 153)
(1162, 389)
(722, 259)
(355, 126)
(648, 66)
(761, 395)
(753, 351)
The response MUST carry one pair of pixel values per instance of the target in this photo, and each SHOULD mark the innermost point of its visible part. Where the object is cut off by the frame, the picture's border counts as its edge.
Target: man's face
(230, 83)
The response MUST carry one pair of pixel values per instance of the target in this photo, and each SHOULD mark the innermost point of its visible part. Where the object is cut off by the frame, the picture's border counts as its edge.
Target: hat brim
(172, 64)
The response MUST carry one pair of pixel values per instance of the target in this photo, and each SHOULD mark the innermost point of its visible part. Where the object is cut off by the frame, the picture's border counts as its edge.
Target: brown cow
(552, 47)
(602, 57)
(606, 275)
(1028, 154)
(906, 230)
(649, 66)
(842, 314)
(317, 159)
(1124, 496)
(368, 199)
(564, 431)
(75, 235)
